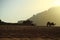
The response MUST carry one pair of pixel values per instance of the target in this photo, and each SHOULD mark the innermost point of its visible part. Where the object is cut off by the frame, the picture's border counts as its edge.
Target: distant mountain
(51, 15)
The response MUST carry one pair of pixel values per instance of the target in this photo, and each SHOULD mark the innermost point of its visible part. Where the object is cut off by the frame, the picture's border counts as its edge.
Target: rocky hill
(51, 15)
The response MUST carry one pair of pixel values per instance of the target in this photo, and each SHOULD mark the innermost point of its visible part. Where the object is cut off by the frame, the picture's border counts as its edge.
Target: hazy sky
(14, 10)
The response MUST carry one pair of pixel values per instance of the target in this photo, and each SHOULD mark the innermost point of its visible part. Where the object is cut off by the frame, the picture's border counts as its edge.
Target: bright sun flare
(56, 3)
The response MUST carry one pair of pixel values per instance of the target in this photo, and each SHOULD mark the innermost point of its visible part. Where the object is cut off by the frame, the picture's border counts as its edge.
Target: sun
(56, 3)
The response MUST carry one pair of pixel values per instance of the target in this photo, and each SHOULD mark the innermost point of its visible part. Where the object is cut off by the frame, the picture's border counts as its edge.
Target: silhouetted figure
(50, 24)
(2, 22)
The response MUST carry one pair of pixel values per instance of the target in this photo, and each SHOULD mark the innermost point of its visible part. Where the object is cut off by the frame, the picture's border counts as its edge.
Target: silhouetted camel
(50, 24)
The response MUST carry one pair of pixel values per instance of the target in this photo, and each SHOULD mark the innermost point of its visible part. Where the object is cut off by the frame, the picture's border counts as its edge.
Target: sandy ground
(29, 39)
(23, 32)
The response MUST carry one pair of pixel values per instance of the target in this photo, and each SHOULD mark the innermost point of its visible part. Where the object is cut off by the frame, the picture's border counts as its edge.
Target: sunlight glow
(56, 3)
